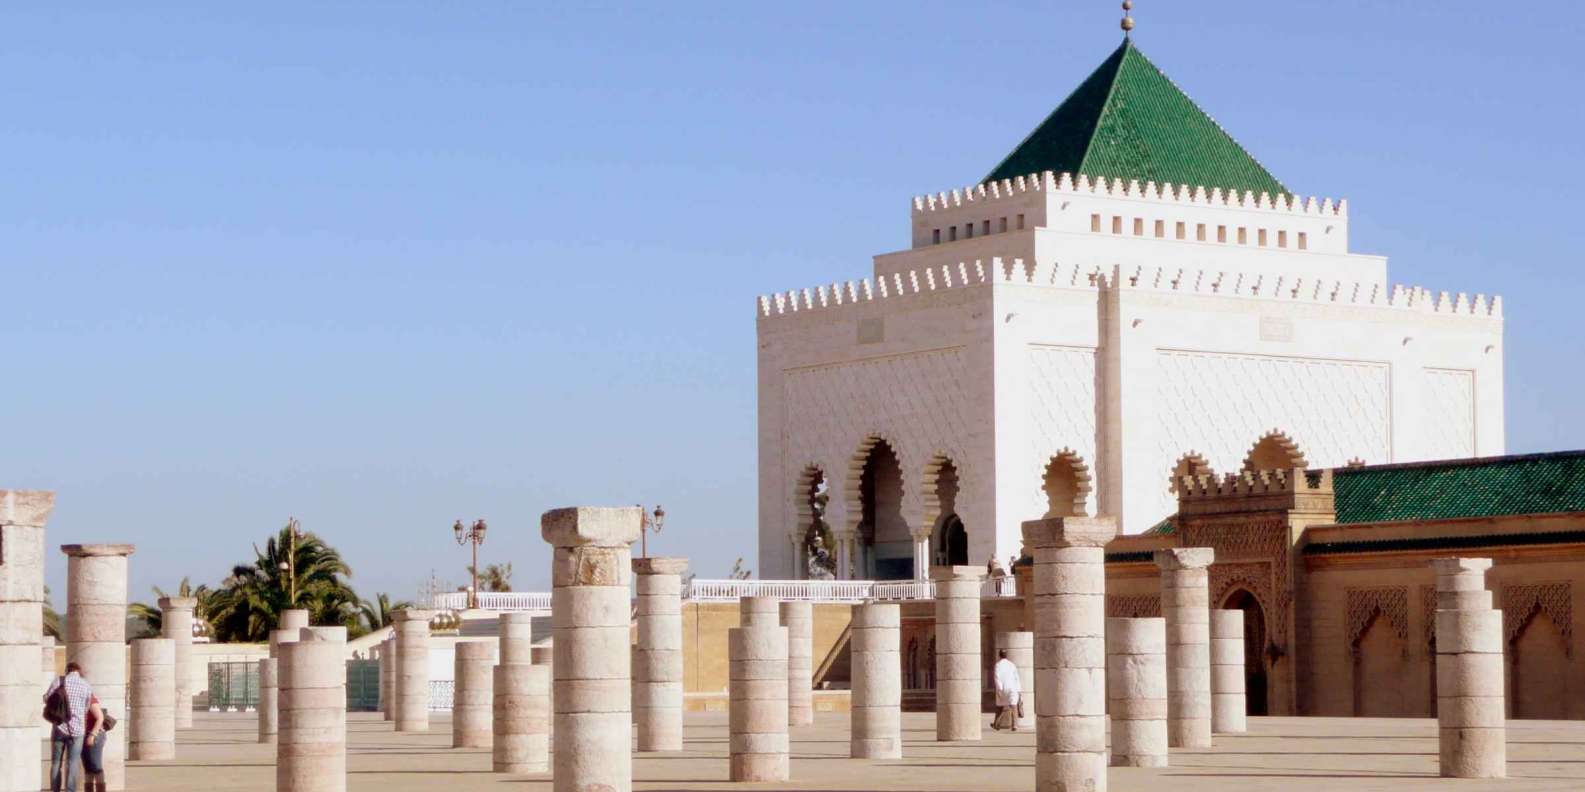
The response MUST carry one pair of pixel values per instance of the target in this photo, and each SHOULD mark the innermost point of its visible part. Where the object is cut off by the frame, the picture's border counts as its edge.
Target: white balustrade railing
(702, 590)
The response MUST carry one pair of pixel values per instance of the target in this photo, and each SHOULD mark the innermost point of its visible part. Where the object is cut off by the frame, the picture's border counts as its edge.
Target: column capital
(178, 603)
(660, 565)
(88, 550)
(26, 507)
(1070, 532)
(957, 573)
(1174, 558)
(1460, 566)
(601, 526)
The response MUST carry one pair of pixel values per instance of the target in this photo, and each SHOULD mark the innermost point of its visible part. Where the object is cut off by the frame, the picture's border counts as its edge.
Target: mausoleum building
(1128, 297)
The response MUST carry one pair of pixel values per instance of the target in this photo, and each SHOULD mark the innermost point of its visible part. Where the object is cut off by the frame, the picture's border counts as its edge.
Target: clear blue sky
(388, 265)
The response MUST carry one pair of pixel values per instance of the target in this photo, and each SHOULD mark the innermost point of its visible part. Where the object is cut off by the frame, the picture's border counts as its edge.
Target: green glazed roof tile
(1491, 487)
(1127, 120)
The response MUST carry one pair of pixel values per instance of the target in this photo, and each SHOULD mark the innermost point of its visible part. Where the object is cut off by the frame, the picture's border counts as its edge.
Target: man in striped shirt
(66, 739)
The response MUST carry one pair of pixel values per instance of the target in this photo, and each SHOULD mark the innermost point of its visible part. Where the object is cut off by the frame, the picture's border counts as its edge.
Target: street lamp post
(294, 531)
(651, 524)
(475, 537)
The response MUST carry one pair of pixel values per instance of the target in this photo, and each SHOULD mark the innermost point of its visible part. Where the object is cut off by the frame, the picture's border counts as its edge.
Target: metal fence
(701, 590)
(233, 685)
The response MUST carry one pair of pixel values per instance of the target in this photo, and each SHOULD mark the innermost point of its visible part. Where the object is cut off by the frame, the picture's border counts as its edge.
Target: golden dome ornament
(1128, 21)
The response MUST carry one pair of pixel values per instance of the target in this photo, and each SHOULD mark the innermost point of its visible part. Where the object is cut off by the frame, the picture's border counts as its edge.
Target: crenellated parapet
(1050, 182)
(1200, 282)
(1295, 489)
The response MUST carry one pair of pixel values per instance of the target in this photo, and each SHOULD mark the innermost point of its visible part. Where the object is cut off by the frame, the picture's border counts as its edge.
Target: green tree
(739, 572)
(248, 604)
(376, 614)
(53, 624)
(494, 577)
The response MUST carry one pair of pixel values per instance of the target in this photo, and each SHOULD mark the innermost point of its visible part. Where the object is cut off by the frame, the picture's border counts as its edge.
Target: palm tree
(376, 615)
(249, 602)
(494, 577)
(148, 619)
(53, 625)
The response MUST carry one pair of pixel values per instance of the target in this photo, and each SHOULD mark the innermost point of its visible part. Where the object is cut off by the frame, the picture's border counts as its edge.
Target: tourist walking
(1009, 693)
(66, 707)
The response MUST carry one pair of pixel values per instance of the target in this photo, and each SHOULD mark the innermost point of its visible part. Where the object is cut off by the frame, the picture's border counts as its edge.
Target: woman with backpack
(95, 725)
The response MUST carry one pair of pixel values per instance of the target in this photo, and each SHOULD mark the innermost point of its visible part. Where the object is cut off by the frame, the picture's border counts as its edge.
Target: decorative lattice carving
(1555, 600)
(1392, 602)
(1450, 413)
(1217, 404)
(1251, 551)
(1062, 383)
(1140, 606)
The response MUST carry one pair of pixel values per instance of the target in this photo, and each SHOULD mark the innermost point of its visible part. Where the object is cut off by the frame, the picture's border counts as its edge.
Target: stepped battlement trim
(1050, 181)
(1254, 483)
(1161, 279)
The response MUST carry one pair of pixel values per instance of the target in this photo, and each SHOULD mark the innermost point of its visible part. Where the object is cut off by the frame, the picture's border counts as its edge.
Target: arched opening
(949, 536)
(1255, 695)
(1540, 672)
(1381, 666)
(819, 542)
(885, 545)
(1275, 451)
(1066, 485)
(1190, 464)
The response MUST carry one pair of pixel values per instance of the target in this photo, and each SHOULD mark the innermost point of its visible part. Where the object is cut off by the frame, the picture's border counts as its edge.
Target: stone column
(387, 677)
(473, 694)
(288, 628)
(521, 713)
(152, 731)
(922, 556)
(1186, 605)
(412, 670)
(877, 725)
(269, 699)
(176, 623)
(844, 554)
(960, 682)
(47, 660)
(657, 657)
(799, 619)
(1136, 691)
(1070, 653)
(1020, 648)
(1470, 710)
(800, 563)
(96, 636)
(590, 570)
(757, 694)
(1229, 714)
(22, 517)
(311, 753)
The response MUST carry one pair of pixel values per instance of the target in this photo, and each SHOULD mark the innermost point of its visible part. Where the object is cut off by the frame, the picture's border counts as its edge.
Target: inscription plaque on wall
(1276, 328)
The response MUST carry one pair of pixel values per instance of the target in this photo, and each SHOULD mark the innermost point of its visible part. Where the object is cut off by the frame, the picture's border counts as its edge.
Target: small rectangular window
(1282, 239)
(952, 234)
(1221, 233)
(968, 231)
(935, 237)
(1002, 227)
(1095, 222)
(1199, 232)
(1139, 226)
(987, 229)
(1182, 229)
(1260, 237)
(1243, 235)
(1161, 228)
(1020, 222)
(1304, 241)
(1117, 224)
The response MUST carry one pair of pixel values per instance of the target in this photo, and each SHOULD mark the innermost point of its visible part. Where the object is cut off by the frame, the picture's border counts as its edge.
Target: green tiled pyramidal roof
(1490, 487)
(1127, 120)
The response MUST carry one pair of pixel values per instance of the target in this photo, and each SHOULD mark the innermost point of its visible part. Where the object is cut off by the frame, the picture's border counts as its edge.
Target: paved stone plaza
(223, 753)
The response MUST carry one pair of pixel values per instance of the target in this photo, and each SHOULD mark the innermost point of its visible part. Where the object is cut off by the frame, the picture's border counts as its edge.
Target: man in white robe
(1009, 693)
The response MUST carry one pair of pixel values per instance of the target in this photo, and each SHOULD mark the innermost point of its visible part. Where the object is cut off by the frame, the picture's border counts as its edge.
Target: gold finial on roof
(1128, 21)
